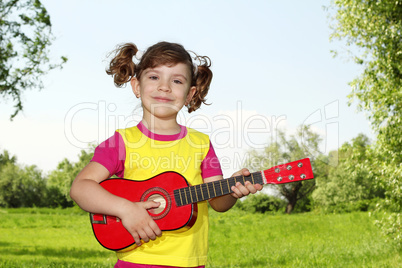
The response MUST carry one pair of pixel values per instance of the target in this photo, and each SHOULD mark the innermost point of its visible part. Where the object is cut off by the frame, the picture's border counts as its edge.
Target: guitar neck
(286, 173)
(205, 191)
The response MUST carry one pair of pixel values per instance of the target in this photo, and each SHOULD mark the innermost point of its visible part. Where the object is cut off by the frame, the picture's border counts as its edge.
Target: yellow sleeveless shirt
(148, 156)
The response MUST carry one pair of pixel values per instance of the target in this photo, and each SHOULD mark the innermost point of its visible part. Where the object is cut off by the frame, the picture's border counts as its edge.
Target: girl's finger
(137, 239)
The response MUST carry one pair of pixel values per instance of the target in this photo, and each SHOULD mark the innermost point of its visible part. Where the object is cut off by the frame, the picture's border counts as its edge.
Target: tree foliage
(6, 158)
(298, 146)
(261, 203)
(349, 186)
(62, 177)
(374, 29)
(26, 186)
(21, 187)
(25, 37)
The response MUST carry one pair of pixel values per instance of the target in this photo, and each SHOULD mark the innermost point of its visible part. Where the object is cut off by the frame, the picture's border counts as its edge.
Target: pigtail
(122, 67)
(202, 80)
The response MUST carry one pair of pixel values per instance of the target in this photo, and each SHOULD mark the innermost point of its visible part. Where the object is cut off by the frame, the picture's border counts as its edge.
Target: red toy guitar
(178, 200)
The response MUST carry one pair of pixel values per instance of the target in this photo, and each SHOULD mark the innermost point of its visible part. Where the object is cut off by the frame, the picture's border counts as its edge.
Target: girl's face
(164, 90)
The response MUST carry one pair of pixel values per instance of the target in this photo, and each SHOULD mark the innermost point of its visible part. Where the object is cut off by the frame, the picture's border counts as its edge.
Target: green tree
(66, 171)
(5, 158)
(21, 187)
(349, 186)
(298, 146)
(25, 37)
(374, 29)
(261, 203)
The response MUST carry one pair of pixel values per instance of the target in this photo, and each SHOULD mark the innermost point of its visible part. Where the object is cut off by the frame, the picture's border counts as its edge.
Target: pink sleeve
(210, 166)
(111, 154)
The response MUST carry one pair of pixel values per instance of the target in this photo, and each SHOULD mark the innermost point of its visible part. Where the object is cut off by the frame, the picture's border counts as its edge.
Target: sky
(272, 64)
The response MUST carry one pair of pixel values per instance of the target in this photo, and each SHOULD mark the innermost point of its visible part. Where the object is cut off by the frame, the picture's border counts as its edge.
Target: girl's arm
(92, 197)
(225, 202)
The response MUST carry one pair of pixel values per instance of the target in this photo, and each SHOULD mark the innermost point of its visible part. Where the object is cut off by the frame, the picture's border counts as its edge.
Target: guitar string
(198, 187)
(267, 173)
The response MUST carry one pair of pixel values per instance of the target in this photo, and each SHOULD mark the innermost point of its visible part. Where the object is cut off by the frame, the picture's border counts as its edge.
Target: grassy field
(63, 238)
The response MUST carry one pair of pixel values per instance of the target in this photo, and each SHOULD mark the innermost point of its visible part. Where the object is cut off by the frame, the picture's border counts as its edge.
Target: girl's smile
(162, 99)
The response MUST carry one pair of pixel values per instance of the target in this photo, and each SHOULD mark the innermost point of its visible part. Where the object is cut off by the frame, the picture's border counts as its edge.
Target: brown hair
(123, 69)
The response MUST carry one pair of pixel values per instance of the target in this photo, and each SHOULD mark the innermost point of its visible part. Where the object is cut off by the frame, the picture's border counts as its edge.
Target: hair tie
(194, 58)
(195, 68)
(138, 55)
(195, 65)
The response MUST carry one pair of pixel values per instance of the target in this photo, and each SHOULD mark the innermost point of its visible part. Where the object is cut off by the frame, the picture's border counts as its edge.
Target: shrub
(261, 203)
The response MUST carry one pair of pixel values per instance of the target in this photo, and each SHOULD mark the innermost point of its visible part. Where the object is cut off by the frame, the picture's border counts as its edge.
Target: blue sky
(271, 62)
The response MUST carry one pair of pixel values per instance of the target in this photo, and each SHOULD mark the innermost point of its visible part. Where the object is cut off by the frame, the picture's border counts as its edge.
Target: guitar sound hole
(158, 198)
(158, 195)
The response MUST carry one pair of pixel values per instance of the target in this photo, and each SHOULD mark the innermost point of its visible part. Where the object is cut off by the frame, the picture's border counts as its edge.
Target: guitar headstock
(299, 170)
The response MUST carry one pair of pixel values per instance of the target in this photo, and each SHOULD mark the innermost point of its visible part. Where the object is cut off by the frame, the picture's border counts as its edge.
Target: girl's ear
(135, 85)
(190, 95)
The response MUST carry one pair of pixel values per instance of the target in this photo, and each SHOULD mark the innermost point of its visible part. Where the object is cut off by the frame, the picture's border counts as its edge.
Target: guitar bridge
(97, 218)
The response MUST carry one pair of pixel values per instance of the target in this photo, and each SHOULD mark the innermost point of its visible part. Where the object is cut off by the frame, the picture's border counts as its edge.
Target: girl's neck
(162, 127)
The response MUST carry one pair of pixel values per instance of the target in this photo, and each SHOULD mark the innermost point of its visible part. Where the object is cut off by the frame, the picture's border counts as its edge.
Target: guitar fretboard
(201, 192)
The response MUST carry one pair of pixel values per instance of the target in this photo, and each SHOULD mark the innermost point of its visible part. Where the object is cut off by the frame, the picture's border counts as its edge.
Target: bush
(261, 203)
(353, 206)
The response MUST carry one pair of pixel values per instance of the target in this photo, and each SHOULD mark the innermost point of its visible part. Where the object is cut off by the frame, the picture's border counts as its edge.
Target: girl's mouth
(162, 99)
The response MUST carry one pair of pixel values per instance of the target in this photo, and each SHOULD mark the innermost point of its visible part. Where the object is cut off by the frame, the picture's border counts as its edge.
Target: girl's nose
(164, 86)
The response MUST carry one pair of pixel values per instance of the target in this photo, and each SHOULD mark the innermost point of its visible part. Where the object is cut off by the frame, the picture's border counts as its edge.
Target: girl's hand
(139, 223)
(240, 190)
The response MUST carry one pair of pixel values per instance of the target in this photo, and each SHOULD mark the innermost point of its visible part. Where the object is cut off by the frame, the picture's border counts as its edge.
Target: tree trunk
(291, 195)
(291, 205)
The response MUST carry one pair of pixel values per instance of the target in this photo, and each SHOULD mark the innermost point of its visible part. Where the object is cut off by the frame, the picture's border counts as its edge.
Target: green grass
(300, 240)
(63, 238)
(49, 238)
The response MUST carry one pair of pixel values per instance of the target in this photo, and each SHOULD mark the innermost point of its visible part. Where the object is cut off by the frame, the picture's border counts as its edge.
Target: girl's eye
(153, 77)
(176, 81)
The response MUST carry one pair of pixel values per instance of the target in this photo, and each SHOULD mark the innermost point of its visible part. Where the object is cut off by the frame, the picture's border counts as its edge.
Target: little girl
(165, 78)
